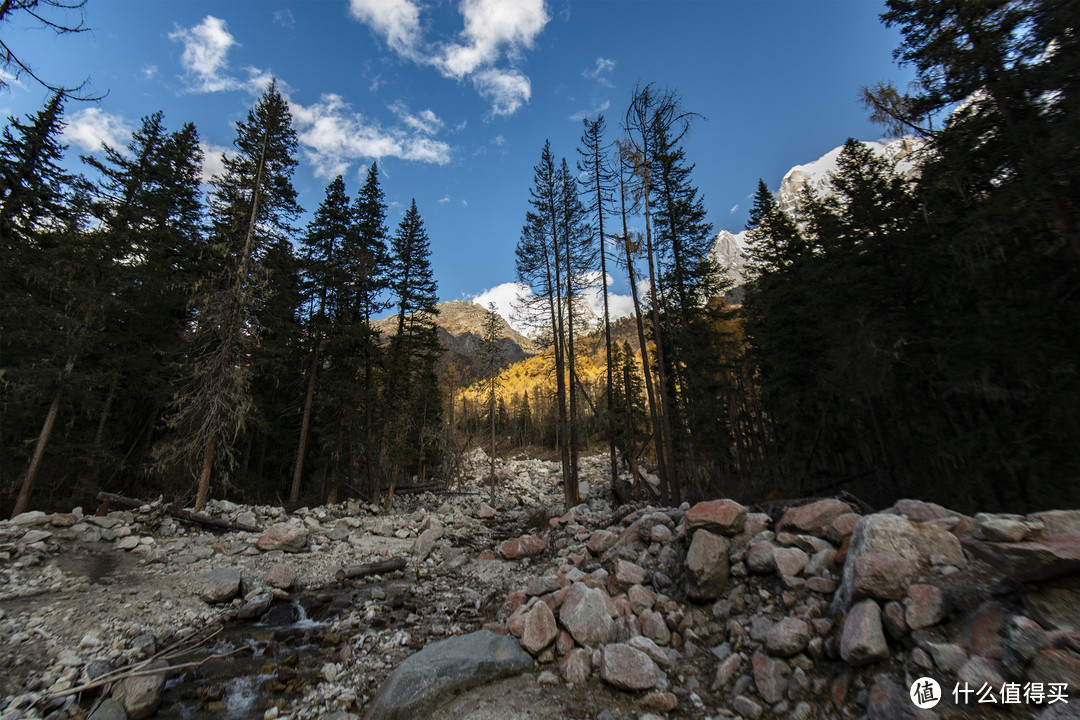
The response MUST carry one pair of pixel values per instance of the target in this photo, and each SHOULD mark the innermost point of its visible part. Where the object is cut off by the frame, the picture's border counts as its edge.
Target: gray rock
(790, 561)
(1031, 561)
(219, 585)
(948, 657)
(708, 565)
(141, 695)
(894, 535)
(1002, 528)
(109, 709)
(628, 668)
(280, 575)
(746, 707)
(287, 537)
(863, 640)
(759, 558)
(925, 607)
(881, 576)
(540, 629)
(585, 615)
(770, 677)
(788, 637)
(1055, 608)
(427, 678)
(255, 607)
(33, 536)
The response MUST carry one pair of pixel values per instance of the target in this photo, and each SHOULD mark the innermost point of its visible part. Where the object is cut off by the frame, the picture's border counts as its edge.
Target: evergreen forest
(899, 336)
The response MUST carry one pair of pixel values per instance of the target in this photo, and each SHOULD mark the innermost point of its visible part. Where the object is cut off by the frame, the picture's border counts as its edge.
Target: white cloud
(734, 208)
(444, 199)
(90, 127)
(599, 71)
(509, 298)
(205, 56)
(506, 90)
(7, 78)
(493, 31)
(332, 136)
(149, 72)
(492, 26)
(213, 160)
(618, 305)
(397, 21)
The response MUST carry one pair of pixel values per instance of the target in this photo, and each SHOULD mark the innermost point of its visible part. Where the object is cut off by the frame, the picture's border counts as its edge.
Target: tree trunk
(305, 424)
(23, 501)
(203, 493)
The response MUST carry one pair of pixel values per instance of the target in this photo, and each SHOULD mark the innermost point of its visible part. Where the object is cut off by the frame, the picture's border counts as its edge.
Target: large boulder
(707, 565)
(425, 679)
(540, 629)
(726, 517)
(882, 576)
(584, 614)
(219, 585)
(524, 546)
(287, 537)
(1031, 561)
(813, 518)
(895, 535)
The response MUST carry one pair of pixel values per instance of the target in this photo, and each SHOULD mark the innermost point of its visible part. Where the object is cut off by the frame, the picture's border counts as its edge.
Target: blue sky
(455, 100)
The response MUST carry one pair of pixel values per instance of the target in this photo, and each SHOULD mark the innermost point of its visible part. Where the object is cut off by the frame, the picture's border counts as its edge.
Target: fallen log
(106, 500)
(377, 568)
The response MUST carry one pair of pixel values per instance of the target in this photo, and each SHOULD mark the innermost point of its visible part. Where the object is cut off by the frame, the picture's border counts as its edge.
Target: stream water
(273, 660)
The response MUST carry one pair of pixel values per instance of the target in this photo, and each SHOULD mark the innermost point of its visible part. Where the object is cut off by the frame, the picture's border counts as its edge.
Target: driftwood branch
(355, 571)
(105, 500)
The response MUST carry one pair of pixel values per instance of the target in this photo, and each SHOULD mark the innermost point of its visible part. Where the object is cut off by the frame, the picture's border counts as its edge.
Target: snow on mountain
(817, 175)
(729, 249)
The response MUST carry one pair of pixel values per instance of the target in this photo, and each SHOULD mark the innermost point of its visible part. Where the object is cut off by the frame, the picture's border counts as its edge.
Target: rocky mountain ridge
(460, 326)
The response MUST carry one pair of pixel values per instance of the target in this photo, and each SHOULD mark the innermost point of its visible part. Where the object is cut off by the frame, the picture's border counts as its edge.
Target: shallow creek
(272, 661)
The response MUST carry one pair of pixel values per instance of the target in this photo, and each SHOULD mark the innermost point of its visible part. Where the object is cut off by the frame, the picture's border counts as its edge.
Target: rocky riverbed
(816, 609)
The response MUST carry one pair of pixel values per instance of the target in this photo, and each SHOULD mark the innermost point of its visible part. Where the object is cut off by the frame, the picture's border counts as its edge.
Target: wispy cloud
(493, 31)
(426, 121)
(734, 209)
(582, 114)
(91, 127)
(333, 136)
(285, 18)
(599, 71)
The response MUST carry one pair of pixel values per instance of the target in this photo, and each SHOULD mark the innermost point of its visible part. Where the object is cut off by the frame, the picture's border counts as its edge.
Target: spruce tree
(251, 207)
(411, 408)
(322, 295)
(358, 353)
